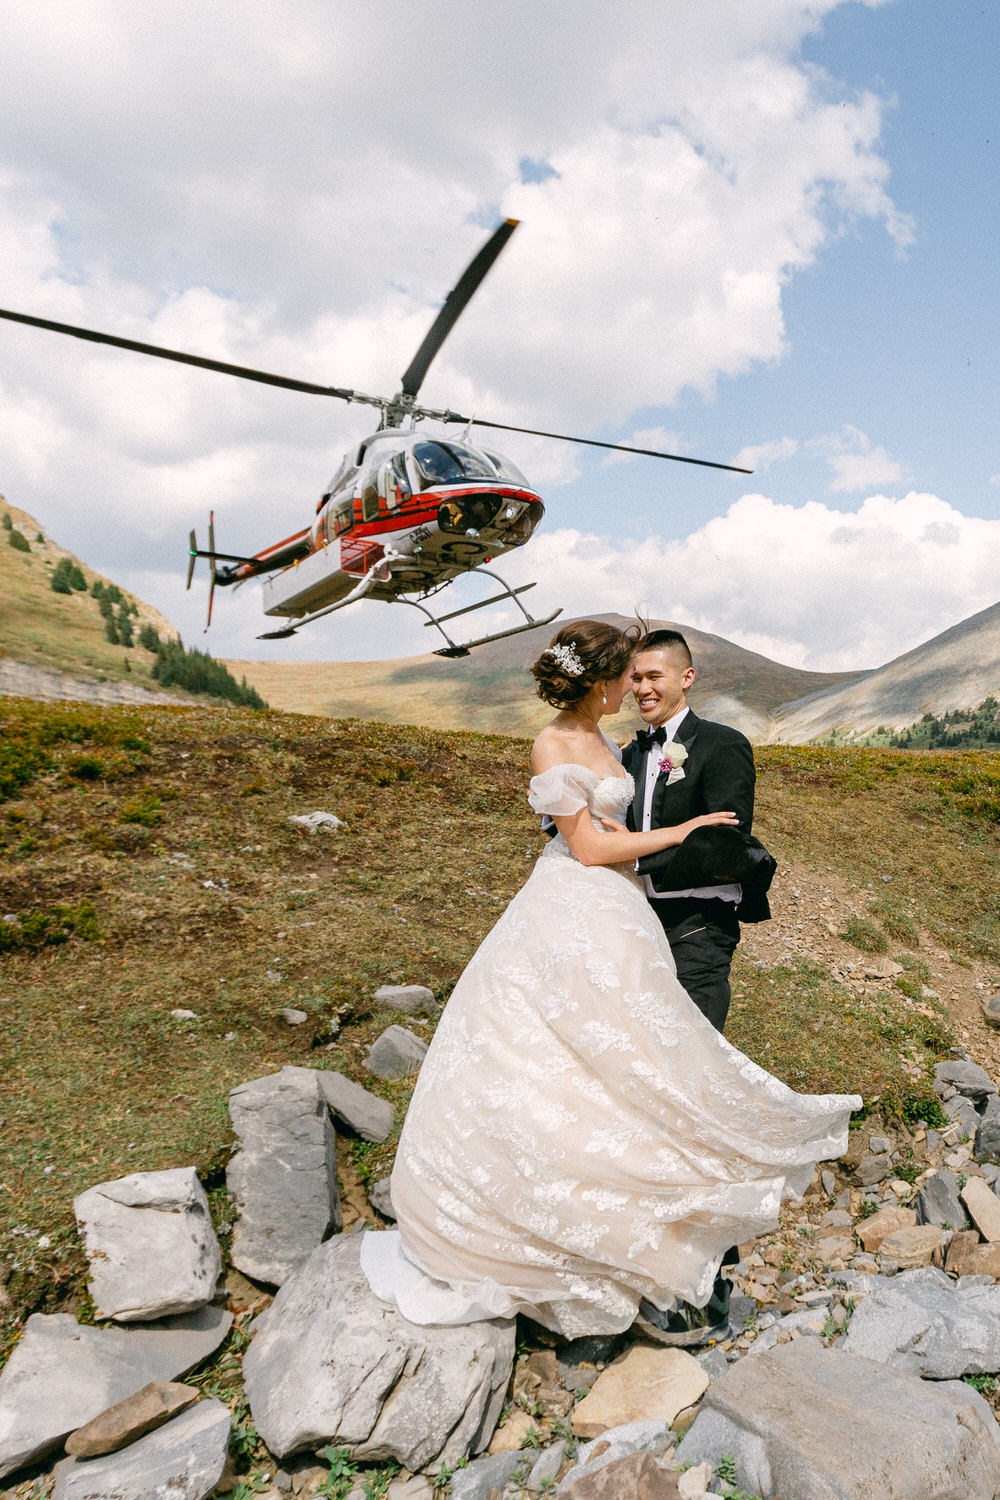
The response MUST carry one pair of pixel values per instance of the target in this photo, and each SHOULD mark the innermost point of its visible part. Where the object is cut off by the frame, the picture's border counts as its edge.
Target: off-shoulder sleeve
(561, 791)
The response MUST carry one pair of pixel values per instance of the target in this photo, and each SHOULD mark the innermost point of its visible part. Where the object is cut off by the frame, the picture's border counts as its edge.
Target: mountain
(48, 633)
(492, 691)
(956, 669)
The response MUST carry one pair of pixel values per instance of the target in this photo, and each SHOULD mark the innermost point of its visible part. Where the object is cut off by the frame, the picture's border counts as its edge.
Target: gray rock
(150, 1245)
(962, 1112)
(395, 1053)
(872, 1169)
(361, 1111)
(293, 1017)
(329, 1363)
(380, 1199)
(284, 1176)
(546, 1467)
(829, 1182)
(987, 1146)
(618, 1442)
(182, 1461)
(485, 1474)
(808, 1421)
(741, 1310)
(991, 1009)
(922, 1322)
(62, 1374)
(938, 1202)
(764, 1342)
(967, 1077)
(879, 1144)
(991, 1174)
(713, 1362)
(411, 998)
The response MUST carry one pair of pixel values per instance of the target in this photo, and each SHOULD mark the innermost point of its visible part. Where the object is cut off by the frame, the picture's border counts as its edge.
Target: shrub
(123, 625)
(8, 524)
(18, 540)
(96, 589)
(865, 935)
(110, 633)
(148, 637)
(58, 579)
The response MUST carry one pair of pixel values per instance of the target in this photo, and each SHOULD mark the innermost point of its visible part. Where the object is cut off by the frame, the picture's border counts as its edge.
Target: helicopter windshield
(506, 469)
(449, 463)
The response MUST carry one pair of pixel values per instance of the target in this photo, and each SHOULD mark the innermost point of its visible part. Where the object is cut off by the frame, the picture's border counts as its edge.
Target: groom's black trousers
(702, 937)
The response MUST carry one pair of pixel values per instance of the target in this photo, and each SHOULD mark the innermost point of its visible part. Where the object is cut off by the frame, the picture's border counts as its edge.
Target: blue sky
(766, 230)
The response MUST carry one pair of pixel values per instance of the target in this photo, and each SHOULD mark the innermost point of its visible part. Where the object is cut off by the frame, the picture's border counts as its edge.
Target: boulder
(545, 1470)
(967, 1077)
(638, 1477)
(958, 1257)
(646, 1383)
(361, 1111)
(132, 1418)
(872, 1169)
(395, 1053)
(938, 1202)
(820, 1423)
(330, 1363)
(991, 1009)
(913, 1246)
(284, 1176)
(962, 1113)
(983, 1206)
(484, 1474)
(411, 998)
(651, 1436)
(987, 1144)
(872, 1231)
(925, 1324)
(62, 1374)
(150, 1245)
(182, 1461)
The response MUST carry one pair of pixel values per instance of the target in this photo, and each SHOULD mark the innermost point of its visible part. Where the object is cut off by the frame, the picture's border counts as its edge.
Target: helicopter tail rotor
(212, 567)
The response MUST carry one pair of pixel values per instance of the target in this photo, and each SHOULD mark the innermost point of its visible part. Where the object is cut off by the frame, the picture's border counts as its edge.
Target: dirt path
(810, 908)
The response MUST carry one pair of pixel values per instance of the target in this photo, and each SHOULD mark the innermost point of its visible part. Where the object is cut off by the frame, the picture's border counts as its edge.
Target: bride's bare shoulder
(552, 747)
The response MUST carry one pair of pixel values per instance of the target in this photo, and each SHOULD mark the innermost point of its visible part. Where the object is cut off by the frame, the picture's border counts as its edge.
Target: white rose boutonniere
(672, 761)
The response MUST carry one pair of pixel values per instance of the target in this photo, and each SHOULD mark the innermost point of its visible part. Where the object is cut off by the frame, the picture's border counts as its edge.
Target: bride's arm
(592, 847)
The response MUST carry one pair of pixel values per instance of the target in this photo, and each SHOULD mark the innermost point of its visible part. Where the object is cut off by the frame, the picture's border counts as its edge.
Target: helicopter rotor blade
(454, 305)
(244, 372)
(562, 437)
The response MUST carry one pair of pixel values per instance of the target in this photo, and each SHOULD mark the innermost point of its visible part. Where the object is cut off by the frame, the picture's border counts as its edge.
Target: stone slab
(150, 1245)
(938, 1201)
(645, 1383)
(360, 1110)
(926, 1324)
(914, 1246)
(132, 1418)
(395, 1053)
(284, 1176)
(872, 1231)
(62, 1374)
(331, 1364)
(484, 1474)
(182, 1461)
(638, 1477)
(967, 1077)
(804, 1421)
(983, 1206)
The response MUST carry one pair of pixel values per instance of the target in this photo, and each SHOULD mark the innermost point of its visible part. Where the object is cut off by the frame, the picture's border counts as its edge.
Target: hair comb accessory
(567, 658)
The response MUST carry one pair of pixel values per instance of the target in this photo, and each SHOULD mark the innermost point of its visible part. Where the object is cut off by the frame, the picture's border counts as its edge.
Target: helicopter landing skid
(454, 648)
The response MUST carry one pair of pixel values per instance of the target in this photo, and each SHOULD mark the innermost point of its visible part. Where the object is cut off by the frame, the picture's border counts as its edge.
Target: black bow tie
(647, 738)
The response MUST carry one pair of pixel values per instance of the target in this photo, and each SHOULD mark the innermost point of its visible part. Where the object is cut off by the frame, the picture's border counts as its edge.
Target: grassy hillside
(149, 864)
(65, 631)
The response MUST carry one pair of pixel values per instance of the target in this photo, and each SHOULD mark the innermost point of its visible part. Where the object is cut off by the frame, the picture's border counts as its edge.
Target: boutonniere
(672, 759)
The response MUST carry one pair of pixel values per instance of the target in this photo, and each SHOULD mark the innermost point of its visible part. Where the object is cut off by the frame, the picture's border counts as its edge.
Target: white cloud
(658, 438)
(806, 585)
(259, 185)
(762, 455)
(856, 463)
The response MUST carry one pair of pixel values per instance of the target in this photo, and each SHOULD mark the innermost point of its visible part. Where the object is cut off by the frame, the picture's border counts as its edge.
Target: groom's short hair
(665, 640)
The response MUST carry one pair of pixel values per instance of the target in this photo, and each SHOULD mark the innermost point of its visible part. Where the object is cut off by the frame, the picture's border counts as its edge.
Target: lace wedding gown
(580, 1136)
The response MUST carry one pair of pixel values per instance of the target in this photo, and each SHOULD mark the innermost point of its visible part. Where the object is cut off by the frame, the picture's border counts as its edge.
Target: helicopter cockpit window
(400, 484)
(449, 463)
(506, 469)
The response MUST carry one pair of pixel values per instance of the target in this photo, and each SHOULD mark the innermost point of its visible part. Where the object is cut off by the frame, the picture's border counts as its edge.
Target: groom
(684, 766)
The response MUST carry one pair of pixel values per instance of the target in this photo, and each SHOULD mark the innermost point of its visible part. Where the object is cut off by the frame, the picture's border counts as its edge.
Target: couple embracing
(583, 1145)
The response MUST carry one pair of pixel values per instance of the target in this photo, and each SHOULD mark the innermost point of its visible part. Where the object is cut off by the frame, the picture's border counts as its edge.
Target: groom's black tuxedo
(703, 931)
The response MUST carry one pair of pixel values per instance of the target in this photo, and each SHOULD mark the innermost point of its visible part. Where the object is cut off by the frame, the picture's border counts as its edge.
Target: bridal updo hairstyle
(603, 651)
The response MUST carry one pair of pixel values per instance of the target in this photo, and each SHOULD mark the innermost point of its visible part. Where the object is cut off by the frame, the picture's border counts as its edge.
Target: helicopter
(405, 513)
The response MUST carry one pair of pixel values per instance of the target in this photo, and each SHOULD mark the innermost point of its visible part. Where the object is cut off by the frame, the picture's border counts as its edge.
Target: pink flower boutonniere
(673, 757)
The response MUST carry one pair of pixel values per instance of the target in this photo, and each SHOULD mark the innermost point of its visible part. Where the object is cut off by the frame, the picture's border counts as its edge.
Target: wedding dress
(580, 1137)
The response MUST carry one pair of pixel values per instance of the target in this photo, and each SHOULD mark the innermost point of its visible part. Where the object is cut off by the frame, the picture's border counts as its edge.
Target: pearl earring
(604, 698)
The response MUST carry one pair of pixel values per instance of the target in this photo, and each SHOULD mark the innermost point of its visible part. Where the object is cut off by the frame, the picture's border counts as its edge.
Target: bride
(581, 1139)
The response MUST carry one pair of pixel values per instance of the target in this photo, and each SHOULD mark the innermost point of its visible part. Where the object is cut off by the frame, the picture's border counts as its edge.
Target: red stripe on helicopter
(423, 516)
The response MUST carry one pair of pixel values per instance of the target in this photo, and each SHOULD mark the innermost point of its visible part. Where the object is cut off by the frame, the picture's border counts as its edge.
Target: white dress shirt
(732, 893)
